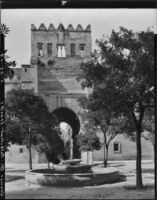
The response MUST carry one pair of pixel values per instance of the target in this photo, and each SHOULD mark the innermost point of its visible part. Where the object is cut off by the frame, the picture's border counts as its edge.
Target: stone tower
(57, 54)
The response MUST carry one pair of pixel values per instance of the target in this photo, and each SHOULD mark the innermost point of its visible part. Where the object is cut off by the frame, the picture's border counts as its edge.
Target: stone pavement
(17, 188)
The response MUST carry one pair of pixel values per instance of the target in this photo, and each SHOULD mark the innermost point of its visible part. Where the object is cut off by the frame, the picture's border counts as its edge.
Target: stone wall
(24, 78)
(55, 101)
(58, 86)
(29, 78)
(55, 36)
(14, 82)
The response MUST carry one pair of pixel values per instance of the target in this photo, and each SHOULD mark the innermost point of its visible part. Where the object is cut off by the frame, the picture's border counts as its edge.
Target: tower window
(40, 49)
(61, 51)
(72, 49)
(25, 70)
(117, 147)
(49, 49)
(20, 150)
(82, 47)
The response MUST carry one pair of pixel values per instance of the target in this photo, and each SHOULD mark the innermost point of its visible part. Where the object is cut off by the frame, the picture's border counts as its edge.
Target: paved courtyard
(17, 188)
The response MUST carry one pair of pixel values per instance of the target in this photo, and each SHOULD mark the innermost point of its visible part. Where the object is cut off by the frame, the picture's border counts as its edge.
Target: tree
(48, 141)
(5, 72)
(88, 140)
(100, 116)
(121, 74)
(13, 131)
(28, 115)
(52, 147)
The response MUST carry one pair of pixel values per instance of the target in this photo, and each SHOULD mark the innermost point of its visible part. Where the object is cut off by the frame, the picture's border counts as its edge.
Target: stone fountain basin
(71, 162)
(79, 168)
(57, 178)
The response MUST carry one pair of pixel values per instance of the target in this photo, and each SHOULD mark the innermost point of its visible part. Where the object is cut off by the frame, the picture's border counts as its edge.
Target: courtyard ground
(17, 188)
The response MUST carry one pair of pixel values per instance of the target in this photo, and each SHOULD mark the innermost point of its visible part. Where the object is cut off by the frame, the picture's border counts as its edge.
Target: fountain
(72, 173)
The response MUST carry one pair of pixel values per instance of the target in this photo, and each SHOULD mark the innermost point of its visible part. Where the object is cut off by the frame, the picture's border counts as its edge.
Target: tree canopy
(120, 77)
(29, 122)
(87, 139)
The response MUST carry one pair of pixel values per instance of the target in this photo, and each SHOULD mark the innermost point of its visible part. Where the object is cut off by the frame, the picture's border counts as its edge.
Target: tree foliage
(149, 126)
(87, 139)
(121, 76)
(50, 144)
(24, 110)
(6, 70)
(30, 122)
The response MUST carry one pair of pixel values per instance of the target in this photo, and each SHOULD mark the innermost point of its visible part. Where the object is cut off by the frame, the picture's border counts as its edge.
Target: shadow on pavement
(16, 171)
(118, 164)
(148, 170)
(133, 187)
(6, 168)
(9, 178)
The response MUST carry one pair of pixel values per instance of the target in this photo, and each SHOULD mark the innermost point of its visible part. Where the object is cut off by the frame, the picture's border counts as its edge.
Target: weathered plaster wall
(15, 156)
(128, 149)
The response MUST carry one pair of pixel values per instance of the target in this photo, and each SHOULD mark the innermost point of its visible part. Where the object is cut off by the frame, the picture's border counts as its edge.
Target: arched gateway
(68, 116)
(64, 114)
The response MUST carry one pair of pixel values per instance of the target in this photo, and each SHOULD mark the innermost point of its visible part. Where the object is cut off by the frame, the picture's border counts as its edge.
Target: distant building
(56, 54)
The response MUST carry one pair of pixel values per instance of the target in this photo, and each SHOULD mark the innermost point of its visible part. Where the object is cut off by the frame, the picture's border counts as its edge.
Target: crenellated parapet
(60, 41)
(60, 27)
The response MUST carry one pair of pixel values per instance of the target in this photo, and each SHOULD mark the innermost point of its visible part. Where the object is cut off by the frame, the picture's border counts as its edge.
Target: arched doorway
(66, 115)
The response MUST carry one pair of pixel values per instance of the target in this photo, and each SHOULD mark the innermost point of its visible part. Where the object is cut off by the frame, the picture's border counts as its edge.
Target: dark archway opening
(68, 116)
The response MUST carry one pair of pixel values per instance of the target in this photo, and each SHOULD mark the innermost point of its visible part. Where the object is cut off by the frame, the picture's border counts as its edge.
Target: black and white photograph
(79, 103)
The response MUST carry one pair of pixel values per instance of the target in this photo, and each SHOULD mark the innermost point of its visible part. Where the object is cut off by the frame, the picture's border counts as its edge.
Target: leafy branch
(5, 70)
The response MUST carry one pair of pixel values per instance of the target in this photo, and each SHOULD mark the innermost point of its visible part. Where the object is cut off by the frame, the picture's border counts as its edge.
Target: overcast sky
(102, 21)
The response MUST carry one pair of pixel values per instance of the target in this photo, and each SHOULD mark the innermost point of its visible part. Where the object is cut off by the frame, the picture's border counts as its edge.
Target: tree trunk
(139, 183)
(48, 164)
(87, 157)
(30, 152)
(155, 160)
(105, 155)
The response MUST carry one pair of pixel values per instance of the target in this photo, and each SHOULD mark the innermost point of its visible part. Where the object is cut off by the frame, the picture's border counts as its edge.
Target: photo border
(50, 4)
(11, 4)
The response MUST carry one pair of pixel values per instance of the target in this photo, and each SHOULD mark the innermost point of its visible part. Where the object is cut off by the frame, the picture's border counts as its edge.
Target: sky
(18, 41)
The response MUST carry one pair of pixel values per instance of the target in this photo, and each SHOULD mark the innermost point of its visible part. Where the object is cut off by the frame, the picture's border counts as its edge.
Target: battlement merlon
(70, 28)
